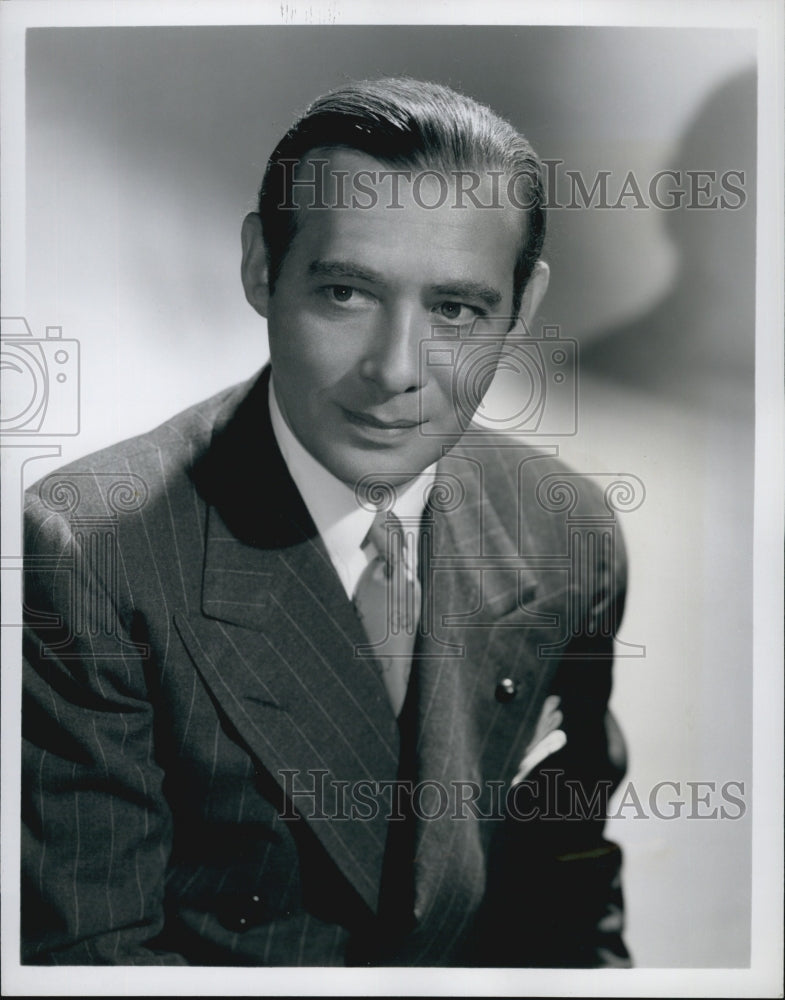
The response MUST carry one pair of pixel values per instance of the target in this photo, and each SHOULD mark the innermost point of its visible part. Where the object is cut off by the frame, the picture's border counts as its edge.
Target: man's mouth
(369, 420)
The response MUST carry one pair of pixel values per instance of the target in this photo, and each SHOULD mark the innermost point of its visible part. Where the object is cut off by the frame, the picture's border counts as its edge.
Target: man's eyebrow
(343, 269)
(477, 290)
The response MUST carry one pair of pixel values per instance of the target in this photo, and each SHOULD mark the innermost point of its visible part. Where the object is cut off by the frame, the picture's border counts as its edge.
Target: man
(317, 673)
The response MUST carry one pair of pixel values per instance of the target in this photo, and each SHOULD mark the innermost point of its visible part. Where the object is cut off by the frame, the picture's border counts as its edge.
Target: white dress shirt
(340, 520)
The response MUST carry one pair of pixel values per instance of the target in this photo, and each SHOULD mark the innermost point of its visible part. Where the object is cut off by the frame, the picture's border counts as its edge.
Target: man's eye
(347, 297)
(457, 311)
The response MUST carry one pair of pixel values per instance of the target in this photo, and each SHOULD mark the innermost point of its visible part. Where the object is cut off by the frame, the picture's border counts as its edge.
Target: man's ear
(533, 294)
(254, 264)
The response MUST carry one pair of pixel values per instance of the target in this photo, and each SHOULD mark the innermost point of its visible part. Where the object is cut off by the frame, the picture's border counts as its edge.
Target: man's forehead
(413, 246)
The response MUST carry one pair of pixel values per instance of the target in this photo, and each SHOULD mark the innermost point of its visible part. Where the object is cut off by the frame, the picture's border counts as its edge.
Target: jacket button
(240, 912)
(506, 689)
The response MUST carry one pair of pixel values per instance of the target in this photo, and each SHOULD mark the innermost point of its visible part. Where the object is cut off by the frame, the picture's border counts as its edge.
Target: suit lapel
(275, 644)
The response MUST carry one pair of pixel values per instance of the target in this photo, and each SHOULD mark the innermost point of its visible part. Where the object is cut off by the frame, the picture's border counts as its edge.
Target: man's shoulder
(513, 471)
(141, 465)
(542, 501)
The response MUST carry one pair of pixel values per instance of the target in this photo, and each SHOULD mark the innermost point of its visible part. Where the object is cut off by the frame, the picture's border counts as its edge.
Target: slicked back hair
(405, 124)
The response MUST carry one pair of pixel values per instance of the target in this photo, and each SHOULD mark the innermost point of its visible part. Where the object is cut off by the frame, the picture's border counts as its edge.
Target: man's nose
(392, 358)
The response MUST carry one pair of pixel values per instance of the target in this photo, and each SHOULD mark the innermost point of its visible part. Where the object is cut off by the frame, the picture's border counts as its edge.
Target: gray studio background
(145, 147)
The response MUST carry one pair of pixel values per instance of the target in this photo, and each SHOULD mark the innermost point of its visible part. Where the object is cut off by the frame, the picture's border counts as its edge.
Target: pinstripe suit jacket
(202, 744)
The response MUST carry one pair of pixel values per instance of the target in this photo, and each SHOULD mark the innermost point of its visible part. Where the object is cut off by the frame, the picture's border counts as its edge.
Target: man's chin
(361, 467)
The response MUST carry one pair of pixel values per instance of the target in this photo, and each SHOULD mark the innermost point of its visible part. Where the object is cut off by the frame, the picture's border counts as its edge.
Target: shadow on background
(697, 345)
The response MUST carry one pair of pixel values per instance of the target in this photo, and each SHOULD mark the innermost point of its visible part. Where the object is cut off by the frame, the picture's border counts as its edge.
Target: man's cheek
(443, 403)
(320, 355)
(305, 358)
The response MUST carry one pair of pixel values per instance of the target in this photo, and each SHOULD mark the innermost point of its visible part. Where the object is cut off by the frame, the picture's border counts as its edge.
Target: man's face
(358, 293)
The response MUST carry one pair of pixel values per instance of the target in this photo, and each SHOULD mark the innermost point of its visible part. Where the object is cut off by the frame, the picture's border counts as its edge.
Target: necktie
(387, 599)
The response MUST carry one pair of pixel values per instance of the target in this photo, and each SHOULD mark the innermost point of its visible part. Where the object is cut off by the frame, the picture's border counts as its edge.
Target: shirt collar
(340, 520)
